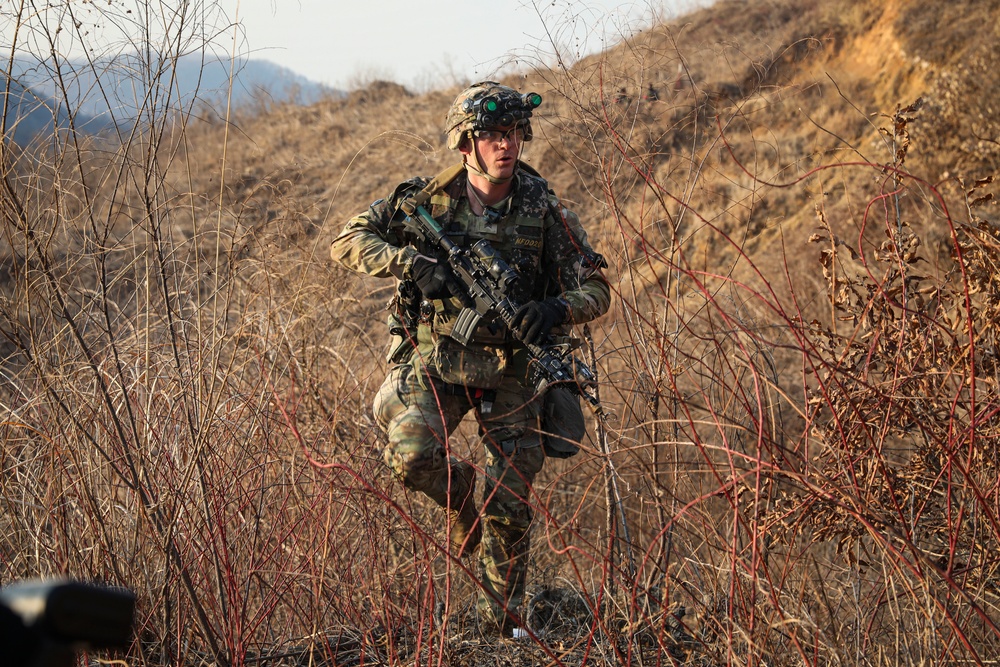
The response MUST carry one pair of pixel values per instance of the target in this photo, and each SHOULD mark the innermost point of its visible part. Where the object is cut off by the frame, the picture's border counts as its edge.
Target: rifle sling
(439, 182)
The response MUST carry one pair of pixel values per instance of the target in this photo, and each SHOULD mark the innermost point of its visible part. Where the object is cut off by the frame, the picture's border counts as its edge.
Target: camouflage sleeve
(370, 244)
(575, 269)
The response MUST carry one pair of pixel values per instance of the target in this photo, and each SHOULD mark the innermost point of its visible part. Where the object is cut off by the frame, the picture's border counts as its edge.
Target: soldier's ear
(465, 145)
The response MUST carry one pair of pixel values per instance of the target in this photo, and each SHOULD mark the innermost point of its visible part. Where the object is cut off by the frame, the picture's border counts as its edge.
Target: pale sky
(416, 42)
(422, 44)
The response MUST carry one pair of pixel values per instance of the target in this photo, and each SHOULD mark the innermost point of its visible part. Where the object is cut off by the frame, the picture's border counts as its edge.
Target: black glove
(433, 278)
(534, 320)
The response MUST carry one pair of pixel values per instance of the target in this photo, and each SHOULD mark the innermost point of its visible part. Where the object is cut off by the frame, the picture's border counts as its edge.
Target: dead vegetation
(801, 362)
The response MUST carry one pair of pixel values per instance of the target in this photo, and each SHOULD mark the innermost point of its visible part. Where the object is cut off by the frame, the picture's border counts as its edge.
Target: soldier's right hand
(433, 278)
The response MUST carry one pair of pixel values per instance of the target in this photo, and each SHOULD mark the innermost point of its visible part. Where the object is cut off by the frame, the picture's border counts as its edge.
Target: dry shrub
(800, 465)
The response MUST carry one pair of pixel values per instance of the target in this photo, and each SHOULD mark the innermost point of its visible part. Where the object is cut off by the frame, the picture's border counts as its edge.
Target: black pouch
(563, 423)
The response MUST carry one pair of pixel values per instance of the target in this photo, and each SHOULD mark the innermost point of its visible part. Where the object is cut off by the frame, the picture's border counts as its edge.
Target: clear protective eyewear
(514, 135)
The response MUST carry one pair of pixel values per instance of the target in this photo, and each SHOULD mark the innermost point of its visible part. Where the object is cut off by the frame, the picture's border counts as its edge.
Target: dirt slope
(795, 84)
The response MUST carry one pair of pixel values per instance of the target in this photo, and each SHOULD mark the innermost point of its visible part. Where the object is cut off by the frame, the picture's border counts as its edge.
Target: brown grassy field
(801, 362)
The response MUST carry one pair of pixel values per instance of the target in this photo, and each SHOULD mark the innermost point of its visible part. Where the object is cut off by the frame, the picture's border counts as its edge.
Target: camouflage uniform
(434, 381)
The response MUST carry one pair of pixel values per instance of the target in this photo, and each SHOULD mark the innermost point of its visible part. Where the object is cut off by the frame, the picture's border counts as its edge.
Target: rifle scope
(498, 269)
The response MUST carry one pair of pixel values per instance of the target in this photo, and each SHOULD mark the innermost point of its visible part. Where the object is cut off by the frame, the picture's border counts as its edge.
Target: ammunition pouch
(447, 317)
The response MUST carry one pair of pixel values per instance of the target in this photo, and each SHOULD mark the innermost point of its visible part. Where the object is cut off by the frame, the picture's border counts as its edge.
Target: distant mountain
(253, 82)
(26, 113)
(31, 113)
(117, 91)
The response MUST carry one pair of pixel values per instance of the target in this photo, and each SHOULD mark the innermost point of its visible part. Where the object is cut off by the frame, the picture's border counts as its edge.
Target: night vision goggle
(497, 111)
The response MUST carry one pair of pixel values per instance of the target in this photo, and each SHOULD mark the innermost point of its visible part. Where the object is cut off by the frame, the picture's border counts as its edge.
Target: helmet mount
(487, 105)
(501, 110)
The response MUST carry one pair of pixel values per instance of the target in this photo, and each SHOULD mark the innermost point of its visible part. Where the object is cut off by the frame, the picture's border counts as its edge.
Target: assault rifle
(488, 280)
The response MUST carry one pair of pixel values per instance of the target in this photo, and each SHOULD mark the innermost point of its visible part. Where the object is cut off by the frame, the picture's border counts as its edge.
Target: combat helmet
(488, 104)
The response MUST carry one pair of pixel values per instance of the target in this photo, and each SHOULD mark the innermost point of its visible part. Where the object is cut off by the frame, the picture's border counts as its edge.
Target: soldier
(434, 381)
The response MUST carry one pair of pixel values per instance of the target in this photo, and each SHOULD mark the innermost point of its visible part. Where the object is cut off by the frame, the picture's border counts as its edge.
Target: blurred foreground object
(44, 623)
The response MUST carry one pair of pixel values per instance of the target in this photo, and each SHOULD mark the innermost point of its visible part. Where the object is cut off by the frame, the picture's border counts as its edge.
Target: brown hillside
(794, 86)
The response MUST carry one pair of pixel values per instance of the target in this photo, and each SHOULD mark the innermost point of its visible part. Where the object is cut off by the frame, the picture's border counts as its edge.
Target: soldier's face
(498, 150)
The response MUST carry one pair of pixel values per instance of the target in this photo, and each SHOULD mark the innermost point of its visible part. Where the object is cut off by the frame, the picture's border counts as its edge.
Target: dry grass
(801, 364)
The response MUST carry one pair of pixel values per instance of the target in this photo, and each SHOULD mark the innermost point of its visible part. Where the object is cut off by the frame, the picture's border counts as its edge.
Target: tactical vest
(518, 236)
(491, 355)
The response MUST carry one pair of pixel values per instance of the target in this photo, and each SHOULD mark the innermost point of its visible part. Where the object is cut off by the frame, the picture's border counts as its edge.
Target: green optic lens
(490, 105)
(534, 99)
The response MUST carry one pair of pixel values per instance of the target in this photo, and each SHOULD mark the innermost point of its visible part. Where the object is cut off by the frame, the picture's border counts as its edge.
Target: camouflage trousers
(418, 416)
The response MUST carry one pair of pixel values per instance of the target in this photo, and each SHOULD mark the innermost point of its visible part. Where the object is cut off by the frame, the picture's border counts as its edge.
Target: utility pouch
(563, 424)
(472, 365)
